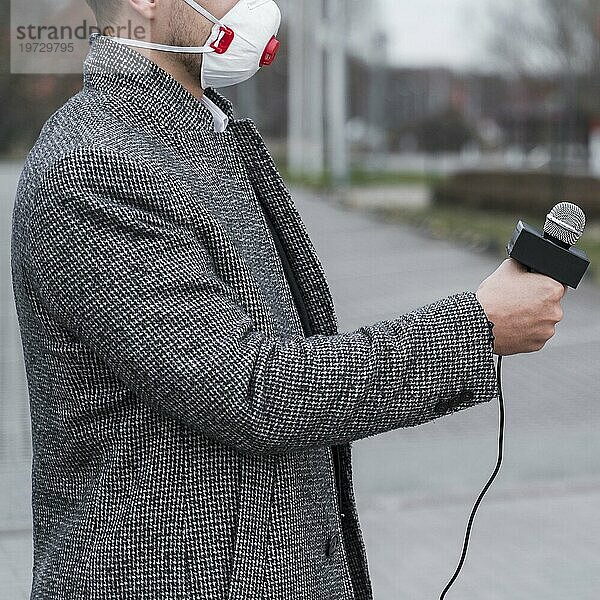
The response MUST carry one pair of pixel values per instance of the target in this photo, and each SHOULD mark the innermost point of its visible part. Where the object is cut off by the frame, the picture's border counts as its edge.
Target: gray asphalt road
(537, 535)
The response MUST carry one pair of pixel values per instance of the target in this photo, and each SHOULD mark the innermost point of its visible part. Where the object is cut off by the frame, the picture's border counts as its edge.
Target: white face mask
(240, 43)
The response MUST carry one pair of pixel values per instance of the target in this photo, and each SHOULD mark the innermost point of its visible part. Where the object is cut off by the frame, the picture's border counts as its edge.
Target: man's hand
(525, 308)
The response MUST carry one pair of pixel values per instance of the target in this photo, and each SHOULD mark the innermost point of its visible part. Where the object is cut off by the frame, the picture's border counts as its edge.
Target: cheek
(189, 30)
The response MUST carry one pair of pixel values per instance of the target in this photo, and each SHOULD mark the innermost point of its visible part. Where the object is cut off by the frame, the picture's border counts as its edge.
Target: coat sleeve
(139, 290)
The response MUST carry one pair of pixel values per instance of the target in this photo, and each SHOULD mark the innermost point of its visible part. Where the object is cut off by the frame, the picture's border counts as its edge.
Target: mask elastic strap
(203, 12)
(163, 47)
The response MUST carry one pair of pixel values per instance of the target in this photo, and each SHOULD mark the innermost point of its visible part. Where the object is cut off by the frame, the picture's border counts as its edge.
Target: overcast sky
(437, 32)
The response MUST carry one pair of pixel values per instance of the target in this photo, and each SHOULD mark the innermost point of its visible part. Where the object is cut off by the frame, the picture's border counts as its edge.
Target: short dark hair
(105, 10)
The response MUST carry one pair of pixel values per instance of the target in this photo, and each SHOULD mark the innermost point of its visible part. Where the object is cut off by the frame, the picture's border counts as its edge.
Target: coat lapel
(277, 202)
(275, 199)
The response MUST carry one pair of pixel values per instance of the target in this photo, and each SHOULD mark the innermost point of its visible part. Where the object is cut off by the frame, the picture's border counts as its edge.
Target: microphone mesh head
(565, 223)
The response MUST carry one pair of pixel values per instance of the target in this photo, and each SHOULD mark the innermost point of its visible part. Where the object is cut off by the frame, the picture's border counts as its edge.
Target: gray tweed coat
(192, 402)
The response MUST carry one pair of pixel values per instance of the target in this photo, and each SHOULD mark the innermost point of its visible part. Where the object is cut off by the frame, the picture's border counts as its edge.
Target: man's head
(171, 22)
(175, 34)
(111, 12)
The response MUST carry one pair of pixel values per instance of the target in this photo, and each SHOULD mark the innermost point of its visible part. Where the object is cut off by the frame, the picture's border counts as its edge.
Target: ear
(145, 8)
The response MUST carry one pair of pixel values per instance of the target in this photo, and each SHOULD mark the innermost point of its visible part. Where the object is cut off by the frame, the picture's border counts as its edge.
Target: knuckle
(559, 289)
(554, 314)
(552, 288)
(557, 314)
(536, 346)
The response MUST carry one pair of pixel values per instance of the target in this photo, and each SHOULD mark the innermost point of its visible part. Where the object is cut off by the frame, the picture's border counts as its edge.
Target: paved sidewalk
(15, 452)
(538, 535)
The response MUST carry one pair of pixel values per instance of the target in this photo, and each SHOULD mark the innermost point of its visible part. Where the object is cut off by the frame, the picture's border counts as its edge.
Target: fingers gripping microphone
(553, 252)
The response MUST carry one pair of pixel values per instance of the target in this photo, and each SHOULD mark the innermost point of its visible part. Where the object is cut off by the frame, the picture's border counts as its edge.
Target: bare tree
(547, 35)
(556, 38)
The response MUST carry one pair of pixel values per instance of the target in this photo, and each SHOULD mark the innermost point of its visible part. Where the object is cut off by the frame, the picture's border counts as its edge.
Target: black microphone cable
(488, 484)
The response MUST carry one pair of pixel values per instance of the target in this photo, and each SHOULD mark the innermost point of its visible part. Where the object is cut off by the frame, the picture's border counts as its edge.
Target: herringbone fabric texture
(184, 426)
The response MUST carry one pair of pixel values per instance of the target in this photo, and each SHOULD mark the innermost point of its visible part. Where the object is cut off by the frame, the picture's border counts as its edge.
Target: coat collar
(146, 93)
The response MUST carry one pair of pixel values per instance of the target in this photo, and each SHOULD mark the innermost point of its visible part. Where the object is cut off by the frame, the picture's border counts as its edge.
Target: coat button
(332, 544)
(447, 404)
(466, 396)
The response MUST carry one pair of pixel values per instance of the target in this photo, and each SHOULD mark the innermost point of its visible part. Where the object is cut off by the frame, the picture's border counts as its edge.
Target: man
(192, 401)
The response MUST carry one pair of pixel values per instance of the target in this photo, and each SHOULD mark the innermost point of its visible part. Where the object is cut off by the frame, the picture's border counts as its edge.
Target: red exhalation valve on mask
(270, 52)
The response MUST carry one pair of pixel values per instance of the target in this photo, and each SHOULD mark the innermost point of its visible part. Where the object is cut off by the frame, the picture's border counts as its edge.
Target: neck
(187, 76)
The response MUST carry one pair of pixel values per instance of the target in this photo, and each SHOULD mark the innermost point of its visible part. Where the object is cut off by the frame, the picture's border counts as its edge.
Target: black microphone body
(544, 254)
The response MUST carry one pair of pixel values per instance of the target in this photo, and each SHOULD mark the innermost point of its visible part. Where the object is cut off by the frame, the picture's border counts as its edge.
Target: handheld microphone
(550, 253)
(553, 252)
